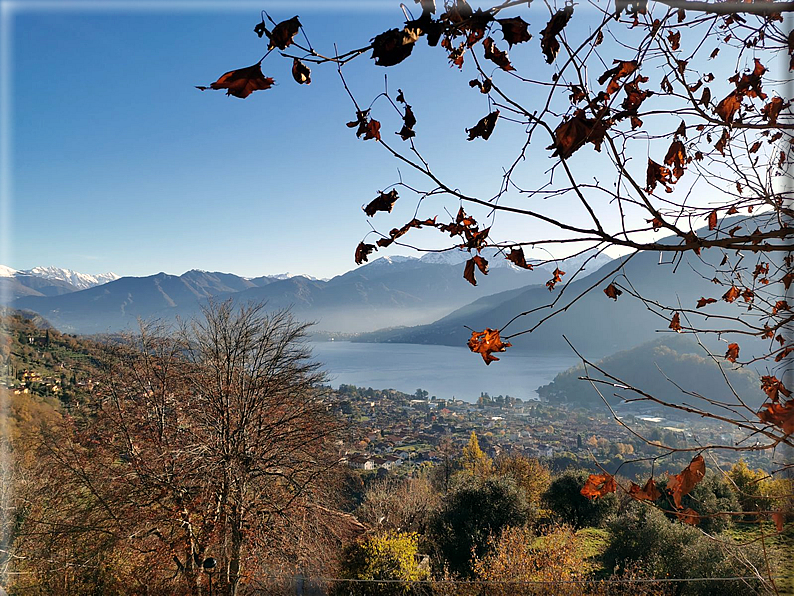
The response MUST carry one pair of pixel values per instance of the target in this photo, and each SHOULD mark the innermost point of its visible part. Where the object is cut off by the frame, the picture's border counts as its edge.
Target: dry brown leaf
(468, 270)
(548, 42)
(675, 40)
(780, 415)
(728, 107)
(409, 120)
(383, 202)
(363, 251)
(657, 173)
(242, 82)
(367, 128)
(771, 111)
(785, 351)
(515, 30)
(676, 157)
(598, 485)
(723, 142)
(283, 34)
(516, 256)
(393, 46)
(649, 492)
(484, 86)
(732, 294)
(623, 69)
(682, 483)
(656, 223)
(574, 132)
(554, 280)
(484, 127)
(496, 55)
(486, 343)
(704, 301)
(774, 388)
(301, 72)
(612, 292)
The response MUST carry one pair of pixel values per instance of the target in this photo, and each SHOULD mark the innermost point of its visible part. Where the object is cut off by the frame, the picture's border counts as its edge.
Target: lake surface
(443, 371)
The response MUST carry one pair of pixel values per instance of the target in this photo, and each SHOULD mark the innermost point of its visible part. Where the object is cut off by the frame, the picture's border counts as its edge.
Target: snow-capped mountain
(46, 281)
(288, 275)
(497, 260)
(7, 271)
(390, 291)
(458, 257)
(81, 281)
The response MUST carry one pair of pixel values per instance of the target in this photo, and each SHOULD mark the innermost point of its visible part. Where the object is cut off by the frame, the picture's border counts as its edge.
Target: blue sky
(119, 163)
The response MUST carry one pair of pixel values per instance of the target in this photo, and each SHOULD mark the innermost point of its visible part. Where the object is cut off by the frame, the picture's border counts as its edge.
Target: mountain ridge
(389, 292)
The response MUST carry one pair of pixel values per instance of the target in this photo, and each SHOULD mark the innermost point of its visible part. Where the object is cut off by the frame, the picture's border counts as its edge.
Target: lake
(443, 371)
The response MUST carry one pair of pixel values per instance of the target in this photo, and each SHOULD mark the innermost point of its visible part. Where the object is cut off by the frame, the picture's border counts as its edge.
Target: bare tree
(206, 445)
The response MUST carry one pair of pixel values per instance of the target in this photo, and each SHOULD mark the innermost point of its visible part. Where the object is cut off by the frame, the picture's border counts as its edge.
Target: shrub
(644, 538)
(386, 556)
(470, 515)
(569, 506)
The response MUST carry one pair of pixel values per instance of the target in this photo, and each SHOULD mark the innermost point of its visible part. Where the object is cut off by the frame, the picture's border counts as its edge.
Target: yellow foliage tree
(474, 460)
(756, 489)
(528, 473)
(383, 558)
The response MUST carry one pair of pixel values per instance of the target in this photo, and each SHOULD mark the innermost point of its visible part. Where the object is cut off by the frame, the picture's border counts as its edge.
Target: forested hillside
(661, 368)
(43, 372)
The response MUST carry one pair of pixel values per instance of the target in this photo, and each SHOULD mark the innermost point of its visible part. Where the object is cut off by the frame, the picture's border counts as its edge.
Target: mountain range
(47, 281)
(426, 301)
(389, 292)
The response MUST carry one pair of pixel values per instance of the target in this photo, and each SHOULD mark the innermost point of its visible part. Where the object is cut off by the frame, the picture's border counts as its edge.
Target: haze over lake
(443, 371)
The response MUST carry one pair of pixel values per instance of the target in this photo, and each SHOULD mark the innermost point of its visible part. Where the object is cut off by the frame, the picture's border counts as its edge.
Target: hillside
(648, 367)
(43, 371)
(20, 285)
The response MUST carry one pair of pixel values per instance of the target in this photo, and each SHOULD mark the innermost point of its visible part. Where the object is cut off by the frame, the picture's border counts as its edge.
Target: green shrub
(644, 538)
(566, 502)
(470, 515)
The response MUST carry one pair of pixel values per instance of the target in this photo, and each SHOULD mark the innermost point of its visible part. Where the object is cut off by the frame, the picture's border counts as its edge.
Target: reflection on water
(443, 371)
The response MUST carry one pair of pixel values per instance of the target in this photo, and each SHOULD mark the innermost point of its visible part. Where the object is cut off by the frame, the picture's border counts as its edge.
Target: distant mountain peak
(392, 260)
(7, 271)
(81, 281)
(288, 275)
(496, 258)
(448, 257)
